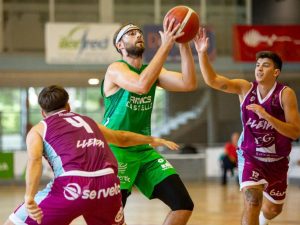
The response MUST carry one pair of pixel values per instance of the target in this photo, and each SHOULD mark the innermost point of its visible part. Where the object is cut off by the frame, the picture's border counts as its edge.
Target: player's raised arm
(127, 138)
(186, 80)
(119, 75)
(211, 78)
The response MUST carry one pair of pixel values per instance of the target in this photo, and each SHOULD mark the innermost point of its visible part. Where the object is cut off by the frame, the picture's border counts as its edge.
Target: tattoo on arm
(223, 87)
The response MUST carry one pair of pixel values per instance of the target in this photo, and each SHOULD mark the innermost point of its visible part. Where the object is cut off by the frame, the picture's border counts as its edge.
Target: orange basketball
(189, 20)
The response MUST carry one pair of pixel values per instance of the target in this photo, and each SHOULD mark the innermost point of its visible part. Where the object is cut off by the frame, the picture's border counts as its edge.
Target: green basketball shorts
(144, 169)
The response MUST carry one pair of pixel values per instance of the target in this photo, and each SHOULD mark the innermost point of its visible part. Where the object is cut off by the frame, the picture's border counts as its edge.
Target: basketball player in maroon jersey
(270, 120)
(85, 171)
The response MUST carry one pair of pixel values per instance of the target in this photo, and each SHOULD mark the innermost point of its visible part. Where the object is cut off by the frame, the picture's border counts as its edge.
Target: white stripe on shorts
(79, 173)
(268, 159)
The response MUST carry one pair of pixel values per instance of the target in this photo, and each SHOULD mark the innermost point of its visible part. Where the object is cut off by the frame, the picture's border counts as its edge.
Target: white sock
(262, 219)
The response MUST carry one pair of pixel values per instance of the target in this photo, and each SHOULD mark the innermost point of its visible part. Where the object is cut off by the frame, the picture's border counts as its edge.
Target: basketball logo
(72, 191)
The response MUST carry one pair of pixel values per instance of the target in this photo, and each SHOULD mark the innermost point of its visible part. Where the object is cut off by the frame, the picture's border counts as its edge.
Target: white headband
(124, 30)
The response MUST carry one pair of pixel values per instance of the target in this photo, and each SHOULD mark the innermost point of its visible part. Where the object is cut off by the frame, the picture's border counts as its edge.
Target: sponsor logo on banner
(284, 40)
(6, 165)
(3, 166)
(78, 43)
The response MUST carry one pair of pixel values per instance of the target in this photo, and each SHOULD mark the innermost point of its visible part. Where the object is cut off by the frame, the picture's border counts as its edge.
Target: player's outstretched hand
(33, 210)
(163, 142)
(169, 34)
(201, 41)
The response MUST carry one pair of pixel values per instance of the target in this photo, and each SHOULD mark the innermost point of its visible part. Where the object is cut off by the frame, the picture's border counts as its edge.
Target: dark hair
(270, 55)
(52, 98)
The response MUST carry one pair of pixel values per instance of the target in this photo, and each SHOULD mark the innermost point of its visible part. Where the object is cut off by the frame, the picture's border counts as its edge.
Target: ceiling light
(93, 81)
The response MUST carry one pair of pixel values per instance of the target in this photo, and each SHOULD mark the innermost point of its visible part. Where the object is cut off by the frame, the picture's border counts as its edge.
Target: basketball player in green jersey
(128, 90)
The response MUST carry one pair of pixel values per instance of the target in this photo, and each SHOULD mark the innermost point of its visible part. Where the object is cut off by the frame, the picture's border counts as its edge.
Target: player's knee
(276, 211)
(173, 193)
(272, 211)
(253, 197)
(182, 203)
(178, 201)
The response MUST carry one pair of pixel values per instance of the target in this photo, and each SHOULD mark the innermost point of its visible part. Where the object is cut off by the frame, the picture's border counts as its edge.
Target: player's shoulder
(288, 91)
(116, 67)
(119, 63)
(37, 129)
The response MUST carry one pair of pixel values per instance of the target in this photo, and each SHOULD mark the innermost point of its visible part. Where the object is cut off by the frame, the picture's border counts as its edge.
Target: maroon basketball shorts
(97, 199)
(273, 175)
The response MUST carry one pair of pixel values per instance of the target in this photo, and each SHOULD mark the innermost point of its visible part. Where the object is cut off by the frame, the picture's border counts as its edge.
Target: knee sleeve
(173, 193)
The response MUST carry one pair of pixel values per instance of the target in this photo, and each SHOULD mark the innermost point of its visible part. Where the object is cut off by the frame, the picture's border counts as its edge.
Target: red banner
(284, 40)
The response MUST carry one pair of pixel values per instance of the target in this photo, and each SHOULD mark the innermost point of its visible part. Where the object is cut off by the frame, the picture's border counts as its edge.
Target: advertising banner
(6, 165)
(248, 40)
(78, 43)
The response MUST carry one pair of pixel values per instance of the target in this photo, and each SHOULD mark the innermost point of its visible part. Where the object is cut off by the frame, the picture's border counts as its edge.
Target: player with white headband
(128, 90)
(124, 30)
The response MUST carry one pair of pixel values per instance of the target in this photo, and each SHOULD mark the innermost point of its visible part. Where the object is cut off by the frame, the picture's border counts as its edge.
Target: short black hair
(270, 55)
(53, 98)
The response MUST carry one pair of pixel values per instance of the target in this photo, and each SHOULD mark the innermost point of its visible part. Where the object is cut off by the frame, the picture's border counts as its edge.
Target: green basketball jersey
(129, 111)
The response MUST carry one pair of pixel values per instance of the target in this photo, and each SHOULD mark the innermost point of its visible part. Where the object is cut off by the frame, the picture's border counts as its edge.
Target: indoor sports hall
(70, 43)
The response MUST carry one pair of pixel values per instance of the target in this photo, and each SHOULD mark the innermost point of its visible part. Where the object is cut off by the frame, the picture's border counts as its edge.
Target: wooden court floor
(214, 205)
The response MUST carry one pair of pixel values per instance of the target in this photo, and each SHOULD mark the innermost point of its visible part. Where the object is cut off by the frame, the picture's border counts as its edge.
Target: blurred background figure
(229, 157)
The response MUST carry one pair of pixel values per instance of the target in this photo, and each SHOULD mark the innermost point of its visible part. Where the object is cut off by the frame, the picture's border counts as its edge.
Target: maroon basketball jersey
(259, 138)
(74, 142)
